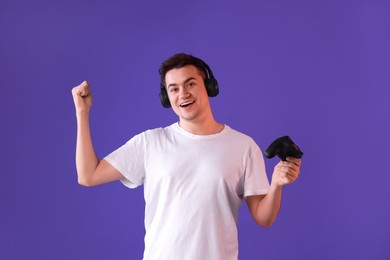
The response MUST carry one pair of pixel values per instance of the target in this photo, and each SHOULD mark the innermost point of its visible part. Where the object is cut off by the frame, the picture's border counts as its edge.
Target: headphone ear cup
(212, 87)
(164, 97)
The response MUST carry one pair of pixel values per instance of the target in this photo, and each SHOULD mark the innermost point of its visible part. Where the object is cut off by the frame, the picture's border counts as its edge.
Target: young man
(195, 172)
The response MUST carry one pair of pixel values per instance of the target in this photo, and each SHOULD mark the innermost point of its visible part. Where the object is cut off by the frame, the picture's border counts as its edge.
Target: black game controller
(283, 147)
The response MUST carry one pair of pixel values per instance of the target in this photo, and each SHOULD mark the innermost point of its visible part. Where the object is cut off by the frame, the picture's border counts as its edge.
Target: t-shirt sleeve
(256, 180)
(129, 160)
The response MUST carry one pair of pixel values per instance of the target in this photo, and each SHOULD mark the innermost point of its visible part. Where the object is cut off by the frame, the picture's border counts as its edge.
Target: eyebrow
(184, 82)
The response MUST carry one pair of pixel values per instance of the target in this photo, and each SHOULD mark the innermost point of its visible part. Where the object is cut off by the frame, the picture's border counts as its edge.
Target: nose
(184, 92)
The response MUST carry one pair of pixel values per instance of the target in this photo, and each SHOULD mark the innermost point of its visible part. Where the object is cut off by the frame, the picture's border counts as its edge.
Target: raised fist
(82, 97)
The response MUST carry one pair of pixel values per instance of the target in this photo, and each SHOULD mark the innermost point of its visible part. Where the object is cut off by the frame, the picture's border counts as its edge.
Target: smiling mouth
(186, 104)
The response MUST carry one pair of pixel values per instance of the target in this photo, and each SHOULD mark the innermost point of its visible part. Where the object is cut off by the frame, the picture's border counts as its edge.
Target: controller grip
(283, 147)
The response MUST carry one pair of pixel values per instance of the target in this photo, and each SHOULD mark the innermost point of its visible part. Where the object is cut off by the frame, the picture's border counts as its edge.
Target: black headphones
(210, 82)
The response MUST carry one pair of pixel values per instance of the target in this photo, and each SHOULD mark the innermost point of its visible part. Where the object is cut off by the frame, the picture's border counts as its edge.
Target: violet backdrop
(315, 70)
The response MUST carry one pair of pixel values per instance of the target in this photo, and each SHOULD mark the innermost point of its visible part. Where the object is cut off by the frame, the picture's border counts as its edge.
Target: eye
(173, 89)
(191, 84)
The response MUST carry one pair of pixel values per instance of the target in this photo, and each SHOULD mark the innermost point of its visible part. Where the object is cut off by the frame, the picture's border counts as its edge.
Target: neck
(205, 127)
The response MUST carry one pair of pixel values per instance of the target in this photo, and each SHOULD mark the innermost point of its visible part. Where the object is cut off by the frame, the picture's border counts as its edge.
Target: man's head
(181, 60)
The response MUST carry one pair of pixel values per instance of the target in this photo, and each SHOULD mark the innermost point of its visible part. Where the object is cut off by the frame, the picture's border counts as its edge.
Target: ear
(212, 87)
(164, 96)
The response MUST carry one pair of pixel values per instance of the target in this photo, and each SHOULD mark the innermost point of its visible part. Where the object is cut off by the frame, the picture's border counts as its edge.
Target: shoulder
(159, 131)
(152, 134)
(240, 142)
(239, 136)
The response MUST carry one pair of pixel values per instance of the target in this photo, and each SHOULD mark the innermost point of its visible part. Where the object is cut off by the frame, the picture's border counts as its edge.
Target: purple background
(315, 70)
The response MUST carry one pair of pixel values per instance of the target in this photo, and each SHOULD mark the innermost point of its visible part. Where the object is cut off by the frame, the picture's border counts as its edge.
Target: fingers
(82, 97)
(82, 89)
(296, 161)
(288, 171)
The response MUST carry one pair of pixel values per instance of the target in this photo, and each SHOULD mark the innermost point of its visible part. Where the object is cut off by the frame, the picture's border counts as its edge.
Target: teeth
(186, 104)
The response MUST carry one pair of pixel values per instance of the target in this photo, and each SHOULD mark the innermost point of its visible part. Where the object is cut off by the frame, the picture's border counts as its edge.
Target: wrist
(82, 112)
(276, 186)
(82, 115)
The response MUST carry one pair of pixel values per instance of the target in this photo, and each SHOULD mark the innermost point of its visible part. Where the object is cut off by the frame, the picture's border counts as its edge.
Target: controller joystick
(283, 147)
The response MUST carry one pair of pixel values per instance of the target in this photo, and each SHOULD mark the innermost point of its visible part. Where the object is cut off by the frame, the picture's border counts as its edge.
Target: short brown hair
(180, 60)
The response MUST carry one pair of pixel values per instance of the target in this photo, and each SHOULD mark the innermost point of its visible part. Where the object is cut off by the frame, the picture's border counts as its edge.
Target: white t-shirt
(193, 188)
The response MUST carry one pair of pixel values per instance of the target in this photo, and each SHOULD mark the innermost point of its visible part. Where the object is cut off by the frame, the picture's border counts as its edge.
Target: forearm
(86, 159)
(268, 208)
(265, 208)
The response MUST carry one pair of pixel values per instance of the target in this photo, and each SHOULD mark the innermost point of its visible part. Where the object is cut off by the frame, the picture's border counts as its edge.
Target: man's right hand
(82, 97)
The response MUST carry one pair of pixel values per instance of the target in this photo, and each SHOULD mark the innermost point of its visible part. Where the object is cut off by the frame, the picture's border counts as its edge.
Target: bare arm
(90, 170)
(265, 208)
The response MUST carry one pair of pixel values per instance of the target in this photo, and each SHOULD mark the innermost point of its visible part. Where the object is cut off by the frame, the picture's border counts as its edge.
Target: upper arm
(104, 173)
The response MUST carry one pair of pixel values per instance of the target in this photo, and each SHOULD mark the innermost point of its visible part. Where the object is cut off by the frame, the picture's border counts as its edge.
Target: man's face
(187, 93)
